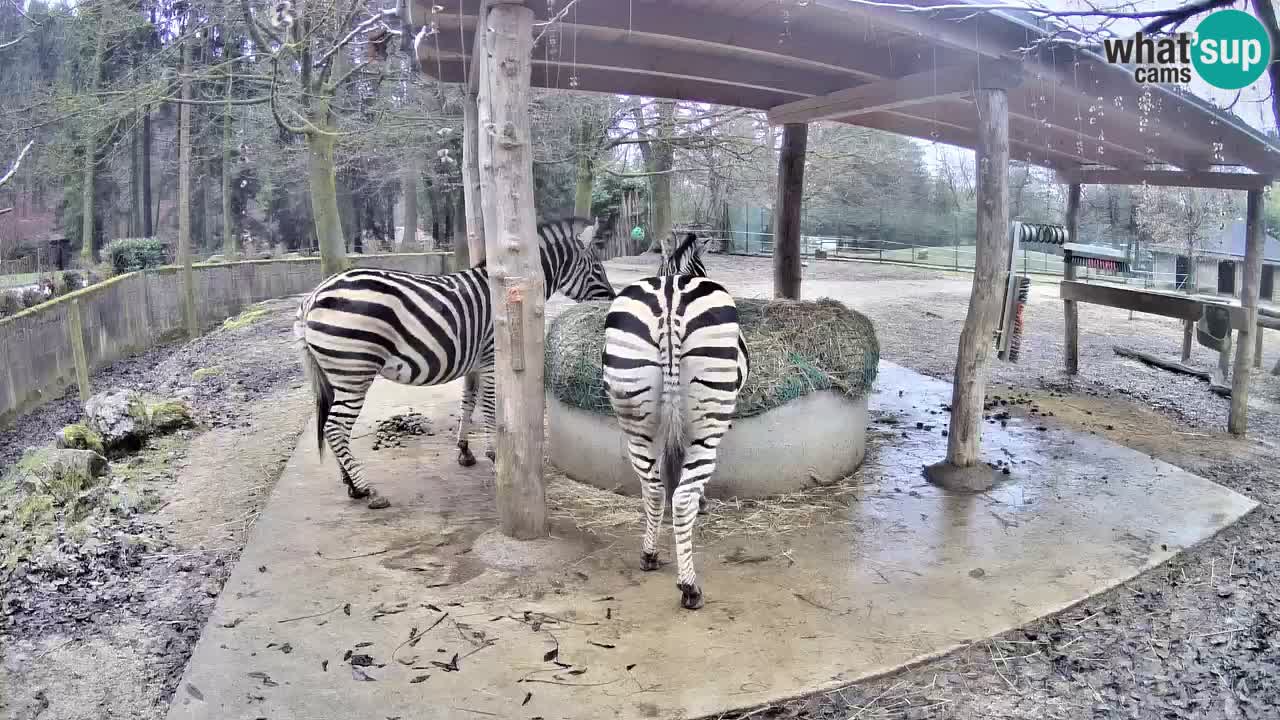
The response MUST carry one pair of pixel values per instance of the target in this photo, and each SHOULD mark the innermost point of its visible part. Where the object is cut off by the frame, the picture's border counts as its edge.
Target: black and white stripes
(421, 330)
(674, 363)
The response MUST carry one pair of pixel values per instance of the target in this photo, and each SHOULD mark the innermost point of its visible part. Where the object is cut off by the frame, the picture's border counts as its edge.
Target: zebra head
(571, 259)
(683, 257)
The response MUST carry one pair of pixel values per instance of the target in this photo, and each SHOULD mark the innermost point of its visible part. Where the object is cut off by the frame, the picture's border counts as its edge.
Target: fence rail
(956, 256)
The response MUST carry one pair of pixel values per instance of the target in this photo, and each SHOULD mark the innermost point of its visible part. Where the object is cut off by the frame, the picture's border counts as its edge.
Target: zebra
(674, 362)
(422, 330)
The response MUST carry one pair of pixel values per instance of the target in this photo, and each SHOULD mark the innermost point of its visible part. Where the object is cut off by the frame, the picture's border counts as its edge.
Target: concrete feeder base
(812, 440)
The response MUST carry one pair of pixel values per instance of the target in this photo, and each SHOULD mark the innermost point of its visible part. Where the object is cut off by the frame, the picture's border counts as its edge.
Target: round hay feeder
(801, 420)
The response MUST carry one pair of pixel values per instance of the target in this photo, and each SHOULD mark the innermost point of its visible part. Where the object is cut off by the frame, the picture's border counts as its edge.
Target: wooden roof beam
(741, 37)
(896, 93)
(634, 56)
(959, 136)
(1165, 178)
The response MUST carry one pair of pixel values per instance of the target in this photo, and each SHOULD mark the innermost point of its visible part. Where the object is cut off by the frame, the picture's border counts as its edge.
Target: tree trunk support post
(786, 242)
(963, 468)
(1071, 333)
(515, 269)
(1238, 420)
(471, 195)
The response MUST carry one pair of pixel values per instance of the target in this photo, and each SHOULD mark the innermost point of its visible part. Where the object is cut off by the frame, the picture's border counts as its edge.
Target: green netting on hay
(797, 347)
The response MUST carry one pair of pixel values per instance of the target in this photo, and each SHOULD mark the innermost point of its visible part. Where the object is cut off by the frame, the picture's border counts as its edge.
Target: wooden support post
(1257, 348)
(1188, 332)
(1071, 333)
(1238, 420)
(471, 195)
(786, 240)
(963, 468)
(75, 328)
(515, 269)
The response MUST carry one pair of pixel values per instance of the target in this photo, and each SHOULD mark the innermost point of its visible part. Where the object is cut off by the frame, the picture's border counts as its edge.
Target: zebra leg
(465, 458)
(488, 409)
(644, 462)
(337, 433)
(684, 511)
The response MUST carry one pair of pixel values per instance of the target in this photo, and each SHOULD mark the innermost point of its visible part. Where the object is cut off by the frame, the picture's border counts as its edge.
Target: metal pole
(955, 242)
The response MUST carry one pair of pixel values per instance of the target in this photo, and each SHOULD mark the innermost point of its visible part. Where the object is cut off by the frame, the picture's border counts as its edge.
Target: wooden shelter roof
(907, 72)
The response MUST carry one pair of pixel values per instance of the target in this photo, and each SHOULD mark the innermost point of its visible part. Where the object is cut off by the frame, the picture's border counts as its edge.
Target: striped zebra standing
(674, 363)
(421, 330)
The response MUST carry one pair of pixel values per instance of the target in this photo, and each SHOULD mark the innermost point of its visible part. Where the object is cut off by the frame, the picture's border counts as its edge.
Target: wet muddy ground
(1197, 638)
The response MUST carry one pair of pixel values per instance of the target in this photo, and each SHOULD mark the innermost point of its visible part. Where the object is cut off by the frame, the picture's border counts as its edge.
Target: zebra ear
(670, 244)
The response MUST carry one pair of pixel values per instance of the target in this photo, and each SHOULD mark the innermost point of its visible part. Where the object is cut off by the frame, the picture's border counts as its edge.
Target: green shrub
(130, 254)
(10, 304)
(32, 297)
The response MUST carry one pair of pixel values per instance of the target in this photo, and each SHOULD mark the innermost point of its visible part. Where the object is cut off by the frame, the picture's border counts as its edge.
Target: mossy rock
(59, 474)
(79, 436)
(797, 347)
(120, 418)
(169, 415)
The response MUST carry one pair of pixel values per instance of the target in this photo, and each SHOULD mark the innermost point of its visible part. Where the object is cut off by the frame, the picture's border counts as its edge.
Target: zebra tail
(323, 392)
(672, 433)
(320, 386)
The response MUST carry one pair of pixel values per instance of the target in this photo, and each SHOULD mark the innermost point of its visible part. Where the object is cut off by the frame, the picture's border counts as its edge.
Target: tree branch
(380, 18)
(13, 170)
(1267, 14)
(257, 32)
(275, 111)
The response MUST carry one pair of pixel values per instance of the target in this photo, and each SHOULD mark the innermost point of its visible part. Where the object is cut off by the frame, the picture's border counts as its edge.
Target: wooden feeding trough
(1214, 318)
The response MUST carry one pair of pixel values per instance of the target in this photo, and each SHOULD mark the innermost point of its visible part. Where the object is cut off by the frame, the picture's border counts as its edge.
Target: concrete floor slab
(903, 572)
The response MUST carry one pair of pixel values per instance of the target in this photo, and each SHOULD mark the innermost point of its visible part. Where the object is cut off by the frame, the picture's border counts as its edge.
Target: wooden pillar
(471, 195)
(75, 328)
(1238, 420)
(515, 270)
(1071, 333)
(1188, 334)
(1257, 348)
(786, 222)
(963, 468)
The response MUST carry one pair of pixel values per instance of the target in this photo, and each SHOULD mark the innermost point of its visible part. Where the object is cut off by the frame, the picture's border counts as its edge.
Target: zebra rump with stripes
(422, 330)
(674, 363)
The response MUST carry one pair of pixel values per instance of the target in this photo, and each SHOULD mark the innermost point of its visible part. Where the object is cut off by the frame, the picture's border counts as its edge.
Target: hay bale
(797, 347)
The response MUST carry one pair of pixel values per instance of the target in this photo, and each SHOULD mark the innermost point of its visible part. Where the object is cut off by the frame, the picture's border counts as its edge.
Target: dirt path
(109, 634)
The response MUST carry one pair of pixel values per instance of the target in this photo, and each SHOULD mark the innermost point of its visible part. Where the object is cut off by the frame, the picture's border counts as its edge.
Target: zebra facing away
(422, 330)
(674, 363)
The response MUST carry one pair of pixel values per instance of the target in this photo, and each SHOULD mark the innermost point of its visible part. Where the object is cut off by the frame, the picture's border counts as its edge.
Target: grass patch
(245, 319)
(203, 373)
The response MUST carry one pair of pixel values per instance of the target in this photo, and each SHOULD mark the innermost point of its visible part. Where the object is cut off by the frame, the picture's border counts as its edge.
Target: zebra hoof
(465, 458)
(690, 597)
(702, 506)
(493, 456)
(356, 494)
(379, 502)
(649, 561)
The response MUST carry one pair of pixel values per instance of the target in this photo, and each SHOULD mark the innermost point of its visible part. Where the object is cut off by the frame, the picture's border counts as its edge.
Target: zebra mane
(685, 259)
(554, 231)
